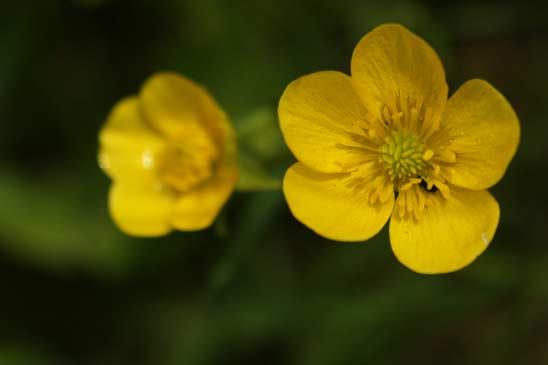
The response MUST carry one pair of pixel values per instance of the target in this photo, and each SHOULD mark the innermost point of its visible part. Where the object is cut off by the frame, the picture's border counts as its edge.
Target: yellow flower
(171, 154)
(385, 142)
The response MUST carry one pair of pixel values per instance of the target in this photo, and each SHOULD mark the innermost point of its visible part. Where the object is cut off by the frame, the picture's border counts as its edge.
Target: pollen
(405, 152)
(188, 162)
(403, 156)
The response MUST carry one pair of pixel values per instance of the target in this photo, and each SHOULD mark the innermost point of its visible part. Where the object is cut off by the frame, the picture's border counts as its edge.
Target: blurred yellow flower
(385, 142)
(171, 153)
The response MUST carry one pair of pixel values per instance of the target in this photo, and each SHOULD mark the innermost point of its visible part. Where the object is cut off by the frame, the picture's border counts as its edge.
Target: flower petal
(198, 208)
(327, 205)
(485, 132)
(450, 234)
(390, 61)
(174, 104)
(140, 211)
(317, 113)
(128, 146)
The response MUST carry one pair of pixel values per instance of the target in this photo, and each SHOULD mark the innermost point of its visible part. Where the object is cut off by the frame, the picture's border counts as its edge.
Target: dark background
(258, 287)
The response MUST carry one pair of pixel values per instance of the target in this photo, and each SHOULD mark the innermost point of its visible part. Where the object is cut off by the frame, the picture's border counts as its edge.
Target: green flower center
(402, 155)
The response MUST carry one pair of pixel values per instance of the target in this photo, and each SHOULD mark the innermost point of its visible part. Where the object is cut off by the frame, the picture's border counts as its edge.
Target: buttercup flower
(385, 142)
(171, 154)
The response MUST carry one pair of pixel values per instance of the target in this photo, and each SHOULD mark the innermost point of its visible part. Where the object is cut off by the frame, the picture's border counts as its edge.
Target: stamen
(358, 129)
(386, 115)
(183, 166)
(396, 120)
(427, 155)
(444, 190)
(420, 201)
(447, 156)
(410, 200)
(373, 197)
(414, 116)
(402, 153)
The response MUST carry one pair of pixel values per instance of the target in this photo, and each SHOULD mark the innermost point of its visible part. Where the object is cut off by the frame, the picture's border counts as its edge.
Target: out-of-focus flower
(385, 142)
(171, 154)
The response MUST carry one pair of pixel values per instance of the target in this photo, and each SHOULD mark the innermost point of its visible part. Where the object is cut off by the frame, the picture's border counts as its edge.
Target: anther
(427, 155)
(447, 156)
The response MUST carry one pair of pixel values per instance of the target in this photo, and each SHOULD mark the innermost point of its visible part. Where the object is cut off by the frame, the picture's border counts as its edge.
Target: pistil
(402, 157)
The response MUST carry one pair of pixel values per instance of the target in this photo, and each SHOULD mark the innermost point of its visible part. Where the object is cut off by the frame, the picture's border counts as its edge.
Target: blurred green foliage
(258, 287)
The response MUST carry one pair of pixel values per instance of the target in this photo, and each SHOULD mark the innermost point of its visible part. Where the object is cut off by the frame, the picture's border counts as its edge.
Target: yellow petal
(140, 211)
(317, 113)
(450, 234)
(198, 208)
(391, 61)
(326, 204)
(485, 132)
(176, 106)
(128, 146)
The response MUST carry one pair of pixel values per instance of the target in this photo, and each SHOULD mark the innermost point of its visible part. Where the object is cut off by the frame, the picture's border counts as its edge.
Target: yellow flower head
(171, 154)
(385, 142)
